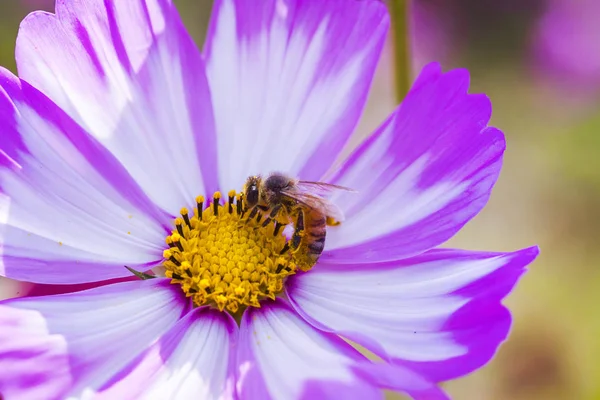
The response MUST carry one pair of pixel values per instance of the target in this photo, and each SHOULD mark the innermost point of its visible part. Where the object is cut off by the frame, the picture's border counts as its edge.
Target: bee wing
(321, 188)
(316, 202)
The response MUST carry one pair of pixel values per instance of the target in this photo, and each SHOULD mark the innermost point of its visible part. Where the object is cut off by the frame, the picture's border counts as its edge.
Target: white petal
(76, 342)
(195, 359)
(283, 357)
(129, 73)
(289, 79)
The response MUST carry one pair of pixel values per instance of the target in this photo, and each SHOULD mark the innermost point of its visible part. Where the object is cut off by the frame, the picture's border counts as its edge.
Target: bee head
(251, 190)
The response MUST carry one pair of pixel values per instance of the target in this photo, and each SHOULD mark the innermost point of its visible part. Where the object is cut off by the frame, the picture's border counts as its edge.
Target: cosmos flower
(37, 4)
(434, 34)
(116, 128)
(565, 46)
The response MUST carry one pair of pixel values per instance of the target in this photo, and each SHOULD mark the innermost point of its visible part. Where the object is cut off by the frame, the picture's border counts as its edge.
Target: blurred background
(539, 62)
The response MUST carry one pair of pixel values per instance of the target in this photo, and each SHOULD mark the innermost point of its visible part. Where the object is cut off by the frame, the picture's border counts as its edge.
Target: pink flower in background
(565, 44)
(115, 126)
(38, 4)
(433, 34)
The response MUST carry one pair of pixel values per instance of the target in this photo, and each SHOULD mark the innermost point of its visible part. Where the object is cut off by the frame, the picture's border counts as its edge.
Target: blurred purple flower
(566, 48)
(38, 4)
(117, 121)
(433, 32)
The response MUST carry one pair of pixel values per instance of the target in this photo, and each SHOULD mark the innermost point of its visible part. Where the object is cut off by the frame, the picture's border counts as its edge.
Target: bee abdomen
(318, 222)
(316, 233)
(316, 247)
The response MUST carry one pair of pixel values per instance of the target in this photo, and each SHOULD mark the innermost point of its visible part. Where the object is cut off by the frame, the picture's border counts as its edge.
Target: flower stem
(399, 10)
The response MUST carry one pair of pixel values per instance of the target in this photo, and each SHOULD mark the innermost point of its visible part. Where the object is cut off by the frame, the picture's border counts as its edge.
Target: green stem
(399, 10)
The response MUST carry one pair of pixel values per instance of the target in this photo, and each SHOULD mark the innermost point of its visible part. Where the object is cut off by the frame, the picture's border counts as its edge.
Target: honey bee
(301, 202)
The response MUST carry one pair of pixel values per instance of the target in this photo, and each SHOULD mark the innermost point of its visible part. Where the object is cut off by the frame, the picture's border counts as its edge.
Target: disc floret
(224, 255)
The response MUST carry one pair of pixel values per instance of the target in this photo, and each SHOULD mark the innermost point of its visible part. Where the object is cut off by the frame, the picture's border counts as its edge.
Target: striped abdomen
(309, 235)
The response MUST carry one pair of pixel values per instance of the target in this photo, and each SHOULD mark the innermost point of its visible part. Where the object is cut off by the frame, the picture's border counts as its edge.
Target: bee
(301, 202)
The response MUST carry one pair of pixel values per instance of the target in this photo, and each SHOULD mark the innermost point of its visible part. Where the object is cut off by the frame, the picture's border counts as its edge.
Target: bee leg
(253, 213)
(298, 232)
(272, 215)
(278, 226)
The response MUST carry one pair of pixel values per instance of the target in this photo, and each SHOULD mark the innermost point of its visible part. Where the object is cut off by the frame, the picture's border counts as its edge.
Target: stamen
(167, 254)
(169, 241)
(176, 241)
(230, 202)
(216, 199)
(186, 218)
(239, 204)
(199, 205)
(178, 225)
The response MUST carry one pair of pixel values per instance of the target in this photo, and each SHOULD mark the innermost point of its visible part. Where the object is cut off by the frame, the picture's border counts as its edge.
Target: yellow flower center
(228, 256)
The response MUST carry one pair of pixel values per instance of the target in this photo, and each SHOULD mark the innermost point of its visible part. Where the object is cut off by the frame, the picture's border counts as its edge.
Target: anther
(178, 225)
(279, 268)
(187, 268)
(216, 199)
(239, 205)
(186, 218)
(169, 241)
(177, 243)
(231, 197)
(199, 206)
(258, 218)
(169, 256)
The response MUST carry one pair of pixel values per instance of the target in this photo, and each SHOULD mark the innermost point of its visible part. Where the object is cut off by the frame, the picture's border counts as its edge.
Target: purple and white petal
(421, 176)
(69, 212)
(283, 357)
(289, 79)
(129, 74)
(62, 346)
(439, 313)
(195, 359)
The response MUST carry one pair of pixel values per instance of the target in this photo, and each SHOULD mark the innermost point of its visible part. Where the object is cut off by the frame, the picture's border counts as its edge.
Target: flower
(434, 34)
(37, 4)
(117, 124)
(565, 48)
